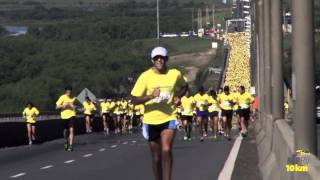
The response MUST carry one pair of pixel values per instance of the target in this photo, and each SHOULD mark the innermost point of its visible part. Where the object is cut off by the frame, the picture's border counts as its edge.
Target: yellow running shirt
(201, 101)
(88, 108)
(130, 109)
(30, 114)
(117, 108)
(112, 106)
(188, 104)
(245, 100)
(214, 105)
(139, 109)
(66, 113)
(106, 106)
(160, 109)
(236, 103)
(225, 101)
(123, 107)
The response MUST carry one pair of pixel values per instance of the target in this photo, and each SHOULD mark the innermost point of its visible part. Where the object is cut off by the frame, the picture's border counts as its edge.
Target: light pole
(267, 59)
(158, 24)
(303, 77)
(277, 60)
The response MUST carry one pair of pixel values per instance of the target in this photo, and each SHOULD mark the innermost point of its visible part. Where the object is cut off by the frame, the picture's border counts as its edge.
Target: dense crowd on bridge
(238, 68)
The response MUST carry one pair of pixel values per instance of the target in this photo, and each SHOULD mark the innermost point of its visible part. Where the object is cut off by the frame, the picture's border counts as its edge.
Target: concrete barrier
(275, 141)
(14, 132)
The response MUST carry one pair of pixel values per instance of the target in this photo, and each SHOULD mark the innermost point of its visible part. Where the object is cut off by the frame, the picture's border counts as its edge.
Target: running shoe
(201, 139)
(30, 142)
(243, 134)
(185, 138)
(70, 148)
(66, 146)
(215, 137)
(189, 139)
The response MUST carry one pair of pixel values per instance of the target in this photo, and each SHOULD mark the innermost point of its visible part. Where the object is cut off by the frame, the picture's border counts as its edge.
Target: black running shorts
(68, 123)
(153, 132)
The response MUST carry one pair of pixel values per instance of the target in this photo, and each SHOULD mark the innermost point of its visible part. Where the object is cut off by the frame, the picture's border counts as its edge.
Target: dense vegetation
(96, 48)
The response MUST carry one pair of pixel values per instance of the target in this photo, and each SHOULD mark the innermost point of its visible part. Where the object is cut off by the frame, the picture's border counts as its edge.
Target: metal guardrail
(8, 115)
(17, 117)
(21, 119)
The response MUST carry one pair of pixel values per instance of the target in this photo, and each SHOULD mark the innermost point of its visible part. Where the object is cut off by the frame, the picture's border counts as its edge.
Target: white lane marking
(87, 155)
(228, 167)
(133, 141)
(46, 167)
(125, 142)
(69, 161)
(18, 175)
(102, 149)
(113, 146)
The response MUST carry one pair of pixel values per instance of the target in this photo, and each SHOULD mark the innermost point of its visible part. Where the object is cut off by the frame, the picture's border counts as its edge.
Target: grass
(192, 45)
(98, 3)
(212, 80)
(92, 1)
(181, 45)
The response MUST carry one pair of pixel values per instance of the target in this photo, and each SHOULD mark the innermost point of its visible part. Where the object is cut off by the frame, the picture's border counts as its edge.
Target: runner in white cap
(155, 88)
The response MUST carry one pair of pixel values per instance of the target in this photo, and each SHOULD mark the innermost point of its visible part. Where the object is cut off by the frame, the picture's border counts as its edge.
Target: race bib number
(226, 103)
(214, 108)
(187, 111)
(164, 97)
(244, 106)
(199, 104)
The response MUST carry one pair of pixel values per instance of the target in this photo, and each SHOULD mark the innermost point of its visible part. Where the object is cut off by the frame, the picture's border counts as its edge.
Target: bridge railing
(278, 141)
(17, 117)
(49, 126)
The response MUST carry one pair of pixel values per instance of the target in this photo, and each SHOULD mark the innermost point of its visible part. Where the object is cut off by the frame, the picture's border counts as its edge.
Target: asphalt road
(100, 156)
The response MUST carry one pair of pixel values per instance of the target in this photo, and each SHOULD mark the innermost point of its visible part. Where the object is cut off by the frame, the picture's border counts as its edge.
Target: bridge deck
(97, 156)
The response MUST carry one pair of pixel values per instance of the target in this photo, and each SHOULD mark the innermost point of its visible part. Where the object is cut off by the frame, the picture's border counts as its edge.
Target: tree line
(98, 49)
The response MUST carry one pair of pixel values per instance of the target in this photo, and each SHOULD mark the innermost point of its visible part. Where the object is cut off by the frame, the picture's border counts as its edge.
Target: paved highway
(99, 156)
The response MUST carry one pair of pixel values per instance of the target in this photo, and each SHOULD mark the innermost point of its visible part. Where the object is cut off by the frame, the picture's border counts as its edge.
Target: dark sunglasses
(160, 57)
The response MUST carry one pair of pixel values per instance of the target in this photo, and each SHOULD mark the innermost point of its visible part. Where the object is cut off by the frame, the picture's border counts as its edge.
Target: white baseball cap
(159, 51)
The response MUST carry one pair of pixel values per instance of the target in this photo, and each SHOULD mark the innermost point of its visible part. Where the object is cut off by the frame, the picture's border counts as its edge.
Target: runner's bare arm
(182, 91)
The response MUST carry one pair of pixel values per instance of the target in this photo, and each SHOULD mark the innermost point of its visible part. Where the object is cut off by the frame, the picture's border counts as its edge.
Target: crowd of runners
(203, 111)
(207, 109)
(238, 64)
(161, 102)
(119, 113)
